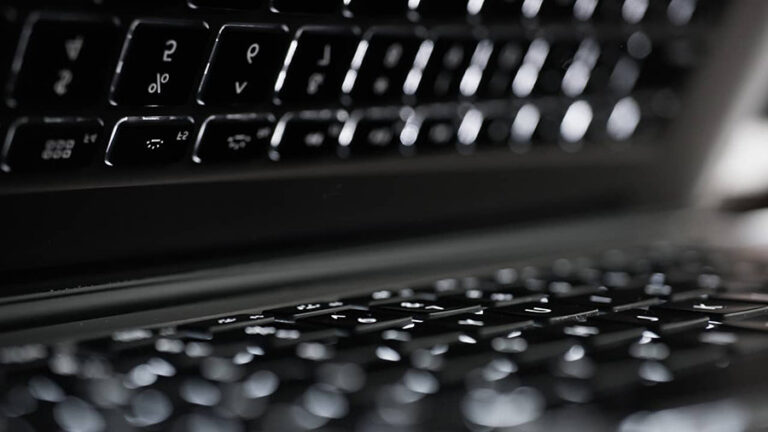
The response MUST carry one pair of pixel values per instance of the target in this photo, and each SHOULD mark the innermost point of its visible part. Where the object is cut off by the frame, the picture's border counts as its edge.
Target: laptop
(377, 215)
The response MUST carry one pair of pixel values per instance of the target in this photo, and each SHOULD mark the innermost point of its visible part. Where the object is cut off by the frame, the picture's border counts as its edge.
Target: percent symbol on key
(157, 86)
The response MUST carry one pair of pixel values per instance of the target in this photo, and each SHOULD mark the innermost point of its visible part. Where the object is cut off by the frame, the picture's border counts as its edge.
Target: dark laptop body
(161, 227)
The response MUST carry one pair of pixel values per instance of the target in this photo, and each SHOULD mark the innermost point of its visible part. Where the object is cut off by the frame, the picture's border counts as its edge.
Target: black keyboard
(106, 85)
(486, 351)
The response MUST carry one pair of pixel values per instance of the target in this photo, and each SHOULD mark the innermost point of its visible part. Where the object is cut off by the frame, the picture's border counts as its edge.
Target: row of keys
(68, 61)
(677, 12)
(62, 143)
(423, 322)
(668, 299)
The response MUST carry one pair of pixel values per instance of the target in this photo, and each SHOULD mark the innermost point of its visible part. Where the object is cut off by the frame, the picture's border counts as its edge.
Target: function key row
(74, 62)
(49, 144)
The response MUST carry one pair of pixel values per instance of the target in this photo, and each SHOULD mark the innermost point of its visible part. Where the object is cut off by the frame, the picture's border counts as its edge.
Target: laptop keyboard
(486, 351)
(101, 85)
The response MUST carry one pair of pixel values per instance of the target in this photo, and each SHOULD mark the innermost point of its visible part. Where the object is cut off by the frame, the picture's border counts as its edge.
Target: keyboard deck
(102, 87)
(480, 352)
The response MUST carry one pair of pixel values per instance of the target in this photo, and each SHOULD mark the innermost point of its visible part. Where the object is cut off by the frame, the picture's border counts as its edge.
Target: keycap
(76, 414)
(441, 8)
(529, 73)
(683, 362)
(227, 322)
(23, 354)
(556, 10)
(501, 67)
(526, 127)
(464, 362)
(759, 324)
(747, 297)
(440, 76)
(234, 138)
(670, 63)
(306, 310)
(160, 64)
(150, 140)
(51, 144)
(620, 63)
(682, 12)
(500, 297)
(551, 131)
(533, 348)
(567, 67)
(550, 313)
(429, 133)
(719, 310)
(317, 65)
(502, 9)
(377, 8)
(66, 61)
(625, 121)
(564, 289)
(244, 66)
(601, 334)
(380, 296)
(380, 72)
(280, 335)
(615, 301)
(495, 131)
(227, 4)
(678, 12)
(392, 345)
(374, 132)
(736, 340)
(631, 11)
(479, 407)
(441, 288)
(611, 378)
(415, 337)
(574, 126)
(483, 324)
(359, 321)
(675, 291)
(123, 342)
(611, 11)
(428, 309)
(308, 135)
(659, 320)
(307, 6)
